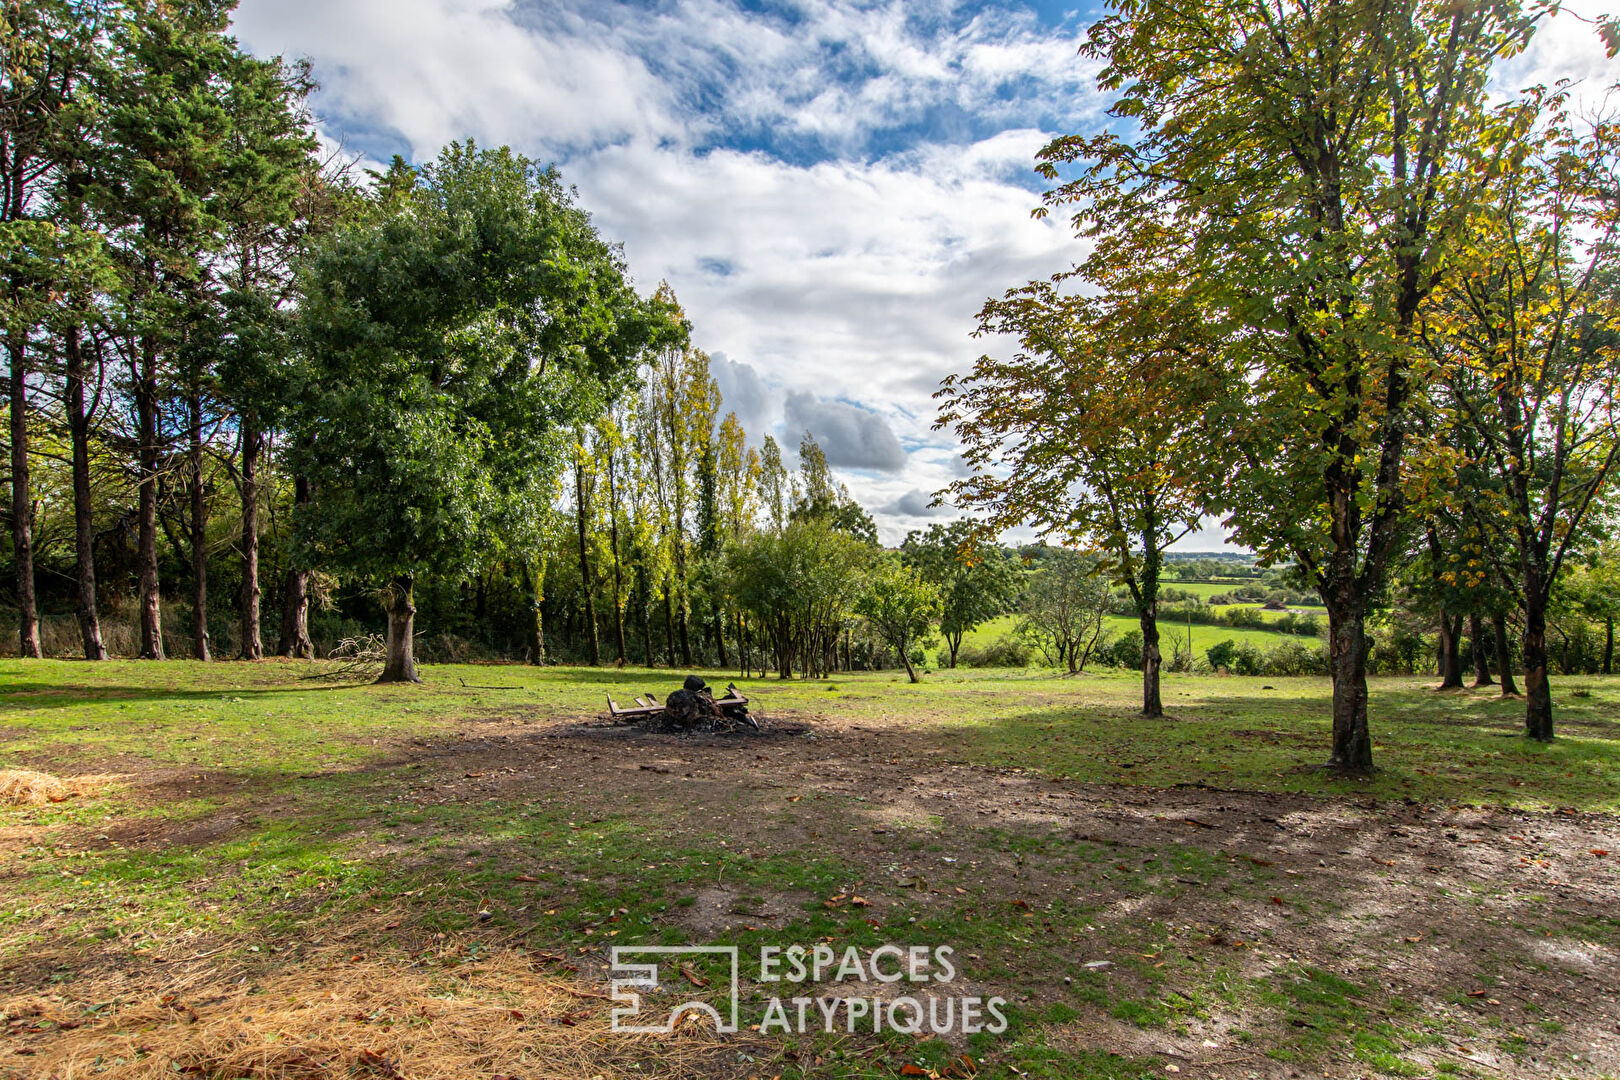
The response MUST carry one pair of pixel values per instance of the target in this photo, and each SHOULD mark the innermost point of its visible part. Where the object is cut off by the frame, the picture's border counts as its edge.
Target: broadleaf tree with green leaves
(453, 339)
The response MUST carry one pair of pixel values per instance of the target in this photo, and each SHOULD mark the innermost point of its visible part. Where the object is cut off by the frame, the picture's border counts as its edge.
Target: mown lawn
(268, 825)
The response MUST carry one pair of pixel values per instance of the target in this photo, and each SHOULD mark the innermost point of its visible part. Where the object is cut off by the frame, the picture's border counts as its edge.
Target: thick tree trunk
(1347, 657)
(1476, 642)
(1450, 651)
(199, 531)
(1504, 654)
(593, 647)
(22, 507)
(720, 635)
(84, 529)
(686, 636)
(1538, 718)
(399, 601)
(294, 640)
(146, 411)
(1608, 645)
(252, 447)
(1152, 661)
(534, 585)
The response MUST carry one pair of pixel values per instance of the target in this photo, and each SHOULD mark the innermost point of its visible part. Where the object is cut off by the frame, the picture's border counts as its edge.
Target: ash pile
(692, 708)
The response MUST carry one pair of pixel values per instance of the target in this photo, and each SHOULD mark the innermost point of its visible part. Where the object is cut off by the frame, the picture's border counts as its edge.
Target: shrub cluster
(1005, 651)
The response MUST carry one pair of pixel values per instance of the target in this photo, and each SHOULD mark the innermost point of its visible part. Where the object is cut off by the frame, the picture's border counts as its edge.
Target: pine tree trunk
(294, 640)
(1538, 719)
(146, 409)
(84, 527)
(252, 446)
(22, 506)
(1347, 657)
(399, 601)
(1476, 641)
(1152, 661)
(199, 531)
(1504, 655)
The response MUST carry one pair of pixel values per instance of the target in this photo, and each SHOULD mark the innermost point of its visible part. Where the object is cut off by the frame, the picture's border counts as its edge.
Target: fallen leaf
(909, 1069)
(526, 877)
(859, 901)
(1599, 852)
(693, 977)
(794, 798)
(1414, 939)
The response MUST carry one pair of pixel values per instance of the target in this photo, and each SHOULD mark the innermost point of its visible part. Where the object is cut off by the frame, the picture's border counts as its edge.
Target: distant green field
(1206, 589)
(1202, 636)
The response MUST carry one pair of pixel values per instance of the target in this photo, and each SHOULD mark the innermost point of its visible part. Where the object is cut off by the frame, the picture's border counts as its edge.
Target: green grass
(337, 805)
(266, 724)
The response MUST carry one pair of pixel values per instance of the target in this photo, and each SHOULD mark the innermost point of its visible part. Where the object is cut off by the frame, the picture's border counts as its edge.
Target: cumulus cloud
(917, 504)
(418, 73)
(745, 393)
(851, 436)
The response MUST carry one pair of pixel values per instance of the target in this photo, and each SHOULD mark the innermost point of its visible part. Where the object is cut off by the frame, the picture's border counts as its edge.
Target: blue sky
(833, 187)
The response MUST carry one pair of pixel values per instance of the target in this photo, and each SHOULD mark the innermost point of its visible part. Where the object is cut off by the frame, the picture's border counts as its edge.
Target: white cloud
(430, 71)
(851, 436)
(746, 394)
(843, 258)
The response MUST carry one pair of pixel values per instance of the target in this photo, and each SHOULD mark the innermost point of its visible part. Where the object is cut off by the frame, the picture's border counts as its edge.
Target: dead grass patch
(24, 787)
(500, 1016)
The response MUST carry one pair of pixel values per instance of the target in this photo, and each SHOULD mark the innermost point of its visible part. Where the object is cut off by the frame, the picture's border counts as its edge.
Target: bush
(1303, 625)
(1124, 652)
(1237, 659)
(1245, 618)
(1004, 652)
(1294, 658)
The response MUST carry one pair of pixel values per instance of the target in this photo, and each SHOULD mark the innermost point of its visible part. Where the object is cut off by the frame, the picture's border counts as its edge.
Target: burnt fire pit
(692, 708)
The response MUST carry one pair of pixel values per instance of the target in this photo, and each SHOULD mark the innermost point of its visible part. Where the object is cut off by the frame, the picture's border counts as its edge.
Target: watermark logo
(905, 989)
(645, 976)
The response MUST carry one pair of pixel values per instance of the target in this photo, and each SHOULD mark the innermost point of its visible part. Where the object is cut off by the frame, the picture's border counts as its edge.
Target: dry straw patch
(499, 1017)
(24, 787)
